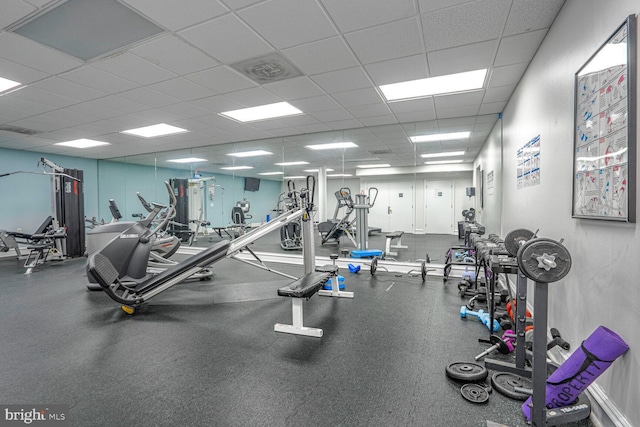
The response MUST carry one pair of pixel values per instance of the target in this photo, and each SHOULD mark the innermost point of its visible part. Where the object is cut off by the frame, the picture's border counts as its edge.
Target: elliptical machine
(332, 230)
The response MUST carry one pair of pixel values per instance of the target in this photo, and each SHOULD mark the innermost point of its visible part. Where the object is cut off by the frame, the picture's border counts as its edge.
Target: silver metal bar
(263, 267)
(147, 295)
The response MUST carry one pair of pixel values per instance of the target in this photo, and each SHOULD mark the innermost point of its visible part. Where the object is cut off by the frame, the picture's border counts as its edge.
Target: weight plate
(466, 371)
(428, 258)
(374, 265)
(424, 270)
(474, 393)
(544, 260)
(505, 383)
(515, 239)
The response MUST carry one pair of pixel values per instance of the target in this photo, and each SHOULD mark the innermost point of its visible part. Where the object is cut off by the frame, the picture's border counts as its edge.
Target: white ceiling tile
(217, 104)
(182, 89)
(358, 14)
(422, 104)
(222, 80)
(463, 58)
(312, 128)
(12, 102)
(386, 42)
(398, 70)
(75, 117)
(321, 56)
(352, 98)
(186, 110)
(176, 15)
(20, 73)
(90, 109)
(98, 79)
(315, 103)
(253, 97)
(344, 124)
(380, 109)
(67, 88)
(378, 120)
(9, 114)
(35, 55)
(239, 4)
(498, 94)
(296, 88)
(133, 68)
(520, 48)
(14, 10)
(494, 107)
(173, 54)
(149, 97)
(332, 115)
(416, 116)
(467, 110)
(286, 23)
(464, 24)
(459, 100)
(430, 5)
(227, 39)
(526, 15)
(342, 80)
(31, 93)
(507, 75)
(42, 123)
(118, 103)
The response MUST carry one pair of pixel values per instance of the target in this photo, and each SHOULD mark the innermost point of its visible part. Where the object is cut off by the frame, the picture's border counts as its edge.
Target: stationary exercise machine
(332, 230)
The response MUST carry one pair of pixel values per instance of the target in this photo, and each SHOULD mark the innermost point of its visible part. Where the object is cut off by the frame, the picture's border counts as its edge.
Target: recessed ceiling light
(82, 143)
(160, 129)
(331, 145)
(385, 165)
(317, 170)
(333, 175)
(291, 163)
(440, 137)
(262, 112)
(447, 154)
(250, 153)
(295, 177)
(236, 168)
(6, 84)
(442, 162)
(271, 173)
(188, 160)
(451, 83)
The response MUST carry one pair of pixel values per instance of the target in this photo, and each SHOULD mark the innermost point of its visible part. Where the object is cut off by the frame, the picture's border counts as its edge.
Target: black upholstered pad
(327, 268)
(395, 234)
(305, 286)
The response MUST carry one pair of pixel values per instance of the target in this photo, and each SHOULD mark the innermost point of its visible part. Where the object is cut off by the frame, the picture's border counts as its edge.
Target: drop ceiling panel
(14, 10)
(386, 42)
(507, 75)
(227, 39)
(464, 24)
(492, 108)
(28, 107)
(67, 88)
(416, 116)
(173, 54)
(296, 88)
(334, 115)
(119, 103)
(221, 80)
(520, 48)
(149, 97)
(253, 96)
(459, 100)
(35, 55)
(398, 70)
(357, 14)
(134, 68)
(186, 110)
(353, 98)
(463, 58)
(90, 109)
(182, 89)
(529, 15)
(316, 103)
(42, 123)
(497, 94)
(377, 120)
(344, 124)
(372, 110)
(431, 5)
(217, 104)
(31, 93)
(176, 15)
(422, 104)
(321, 56)
(97, 79)
(286, 23)
(19, 73)
(342, 80)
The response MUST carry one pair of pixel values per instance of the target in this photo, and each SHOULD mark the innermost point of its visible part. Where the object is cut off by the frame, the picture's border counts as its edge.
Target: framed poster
(604, 155)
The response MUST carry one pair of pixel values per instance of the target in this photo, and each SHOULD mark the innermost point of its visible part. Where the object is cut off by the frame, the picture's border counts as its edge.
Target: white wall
(490, 160)
(602, 287)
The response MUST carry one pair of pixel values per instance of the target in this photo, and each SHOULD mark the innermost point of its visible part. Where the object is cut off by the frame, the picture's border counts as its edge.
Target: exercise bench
(391, 237)
(304, 287)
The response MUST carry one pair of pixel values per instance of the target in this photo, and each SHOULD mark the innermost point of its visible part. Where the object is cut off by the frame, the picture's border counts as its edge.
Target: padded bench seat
(305, 286)
(396, 235)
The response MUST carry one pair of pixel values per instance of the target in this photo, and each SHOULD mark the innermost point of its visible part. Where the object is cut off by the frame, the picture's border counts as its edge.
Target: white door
(394, 207)
(439, 207)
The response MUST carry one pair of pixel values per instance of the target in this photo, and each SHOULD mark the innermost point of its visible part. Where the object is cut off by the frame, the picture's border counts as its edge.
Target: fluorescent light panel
(334, 175)
(161, 129)
(250, 153)
(262, 112)
(385, 165)
(295, 177)
(188, 160)
(82, 143)
(442, 162)
(6, 84)
(440, 137)
(331, 145)
(317, 170)
(236, 168)
(271, 173)
(291, 163)
(451, 83)
(445, 154)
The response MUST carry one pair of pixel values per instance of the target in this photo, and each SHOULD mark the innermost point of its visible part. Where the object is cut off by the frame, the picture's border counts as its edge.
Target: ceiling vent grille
(17, 129)
(379, 152)
(269, 68)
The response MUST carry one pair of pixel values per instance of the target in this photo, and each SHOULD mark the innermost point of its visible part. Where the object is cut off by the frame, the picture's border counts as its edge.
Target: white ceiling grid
(344, 48)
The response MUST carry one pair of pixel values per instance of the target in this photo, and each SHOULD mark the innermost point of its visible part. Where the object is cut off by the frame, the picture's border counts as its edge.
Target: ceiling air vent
(379, 152)
(17, 129)
(268, 68)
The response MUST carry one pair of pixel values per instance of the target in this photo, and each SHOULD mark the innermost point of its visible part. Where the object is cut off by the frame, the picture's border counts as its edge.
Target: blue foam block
(328, 287)
(366, 253)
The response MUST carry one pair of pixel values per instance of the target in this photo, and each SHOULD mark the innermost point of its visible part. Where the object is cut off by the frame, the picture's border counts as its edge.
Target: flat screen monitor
(251, 184)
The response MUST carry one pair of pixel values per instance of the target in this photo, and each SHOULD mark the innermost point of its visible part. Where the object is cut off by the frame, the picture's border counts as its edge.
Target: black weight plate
(515, 238)
(374, 265)
(544, 260)
(466, 371)
(424, 270)
(505, 383)
(474, 393)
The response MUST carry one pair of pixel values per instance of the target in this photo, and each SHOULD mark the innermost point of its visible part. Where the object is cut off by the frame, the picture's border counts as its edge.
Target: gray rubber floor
(205, 353)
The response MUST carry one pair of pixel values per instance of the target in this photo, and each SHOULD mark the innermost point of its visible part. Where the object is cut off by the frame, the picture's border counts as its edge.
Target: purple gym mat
(582, 368)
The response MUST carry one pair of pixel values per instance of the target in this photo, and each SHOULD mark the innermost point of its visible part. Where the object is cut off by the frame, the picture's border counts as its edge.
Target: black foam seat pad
(305, 286)
(327, 268)
(395, 234)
